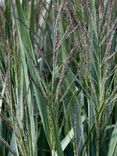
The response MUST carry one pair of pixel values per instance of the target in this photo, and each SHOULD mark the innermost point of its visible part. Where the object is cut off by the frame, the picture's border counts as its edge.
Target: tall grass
(58, 87)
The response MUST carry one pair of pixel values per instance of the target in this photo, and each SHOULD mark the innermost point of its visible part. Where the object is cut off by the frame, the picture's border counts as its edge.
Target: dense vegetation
(58, 78)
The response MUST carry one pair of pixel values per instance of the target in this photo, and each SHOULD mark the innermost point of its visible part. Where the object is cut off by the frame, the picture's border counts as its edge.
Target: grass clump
(58, 85)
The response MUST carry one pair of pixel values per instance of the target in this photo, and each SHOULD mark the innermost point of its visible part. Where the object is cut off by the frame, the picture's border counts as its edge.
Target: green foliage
(58, 87)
